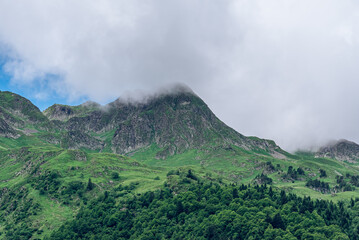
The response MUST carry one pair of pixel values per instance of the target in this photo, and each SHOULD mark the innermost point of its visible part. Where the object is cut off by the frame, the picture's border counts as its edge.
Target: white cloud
(283, 69)
(22, 72)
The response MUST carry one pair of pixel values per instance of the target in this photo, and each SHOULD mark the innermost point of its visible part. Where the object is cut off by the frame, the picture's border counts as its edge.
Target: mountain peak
(90, 104)
(342, 150)
(65, 112)
(174, 120)
(20, 107)
(164, 94)
(59, 112)
(176, 90)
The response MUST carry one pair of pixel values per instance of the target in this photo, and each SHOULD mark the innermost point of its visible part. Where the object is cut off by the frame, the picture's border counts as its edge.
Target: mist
(282, 70)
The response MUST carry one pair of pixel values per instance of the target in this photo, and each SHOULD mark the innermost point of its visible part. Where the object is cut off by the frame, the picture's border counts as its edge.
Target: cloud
(284, 70)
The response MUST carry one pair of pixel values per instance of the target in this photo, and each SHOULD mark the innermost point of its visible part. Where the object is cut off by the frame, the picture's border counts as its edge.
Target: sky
(285, 70)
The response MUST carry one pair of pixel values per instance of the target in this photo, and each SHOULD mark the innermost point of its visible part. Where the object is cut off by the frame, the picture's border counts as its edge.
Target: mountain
(342, 150)
(174, 122)
(53, 164)
(19, 110)
(19, 116)
(63, 112)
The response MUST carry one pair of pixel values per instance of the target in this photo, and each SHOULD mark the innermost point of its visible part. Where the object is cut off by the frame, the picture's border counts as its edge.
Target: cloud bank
(284, 69)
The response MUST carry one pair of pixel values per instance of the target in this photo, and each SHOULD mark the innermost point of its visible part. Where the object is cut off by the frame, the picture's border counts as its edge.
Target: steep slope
(42, 187)
(174, 122)
(21, 107)
(6, 130)
(342, 150)
(54, 167)
(64, 112)
(19, 116)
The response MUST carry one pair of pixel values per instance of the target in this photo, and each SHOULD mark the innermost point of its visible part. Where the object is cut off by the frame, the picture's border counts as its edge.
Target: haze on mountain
(283, 70)
(89, 170)
(175, 121)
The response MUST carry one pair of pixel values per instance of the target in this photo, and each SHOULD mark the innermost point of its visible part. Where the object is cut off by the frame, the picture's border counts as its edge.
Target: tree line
(209, 210)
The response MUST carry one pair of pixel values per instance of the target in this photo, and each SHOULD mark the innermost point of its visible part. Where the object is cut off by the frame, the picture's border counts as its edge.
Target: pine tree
(90, 185)
(235, 193)
(277, 222)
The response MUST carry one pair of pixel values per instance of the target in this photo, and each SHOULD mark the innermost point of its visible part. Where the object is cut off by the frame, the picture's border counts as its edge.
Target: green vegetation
(318, 185)
(263, 179)
(42, 187)
(169, 161)
(14, 102)
(56, 183)
(208, 210)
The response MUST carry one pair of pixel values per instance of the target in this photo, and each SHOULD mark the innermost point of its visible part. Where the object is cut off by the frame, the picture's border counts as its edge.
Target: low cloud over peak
(284, 70)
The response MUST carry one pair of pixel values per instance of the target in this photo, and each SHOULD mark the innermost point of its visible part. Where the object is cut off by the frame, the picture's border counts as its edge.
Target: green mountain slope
(20, 113)
(202, 209)
(173, 122)
(40, 187)
(53, 163)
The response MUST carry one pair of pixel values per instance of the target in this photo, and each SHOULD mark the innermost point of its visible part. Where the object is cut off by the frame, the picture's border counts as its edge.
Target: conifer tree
(90, 185)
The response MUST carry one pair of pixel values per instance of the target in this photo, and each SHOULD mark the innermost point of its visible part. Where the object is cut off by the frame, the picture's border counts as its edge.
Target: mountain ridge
(342, 150)
(137, 123)
(49, 169)
(174, 120)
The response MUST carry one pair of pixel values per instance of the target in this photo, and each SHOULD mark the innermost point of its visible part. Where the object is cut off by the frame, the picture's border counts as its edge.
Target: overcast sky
(282, 69)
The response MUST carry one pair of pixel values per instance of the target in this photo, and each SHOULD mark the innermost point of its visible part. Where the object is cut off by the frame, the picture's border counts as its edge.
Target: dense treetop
(205, 210)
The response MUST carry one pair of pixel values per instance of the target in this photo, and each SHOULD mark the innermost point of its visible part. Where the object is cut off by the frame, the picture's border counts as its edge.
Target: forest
(191, 208)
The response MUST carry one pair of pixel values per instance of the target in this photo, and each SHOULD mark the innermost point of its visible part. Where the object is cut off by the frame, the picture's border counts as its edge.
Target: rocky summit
(19, 116)
(175, 122)
(342, 150)
(72, 165)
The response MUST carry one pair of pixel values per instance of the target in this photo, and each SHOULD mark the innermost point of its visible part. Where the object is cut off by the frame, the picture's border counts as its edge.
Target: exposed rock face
(63, 112)
(342, 150)
(18, 112)
(78, 139)
(6, 130)
(20, 107)
(10, 119)
(174, 122)
(59, 112)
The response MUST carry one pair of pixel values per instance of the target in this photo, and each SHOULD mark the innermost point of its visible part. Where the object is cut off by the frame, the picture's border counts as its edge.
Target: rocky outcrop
(6, 130)
(342, 150)
(64, 112)
(21, 108)
(17, 114)
(59, 112)
(175, 121)
(78, 139)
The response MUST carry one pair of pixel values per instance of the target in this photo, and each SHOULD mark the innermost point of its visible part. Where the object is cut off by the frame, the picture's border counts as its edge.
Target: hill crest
(175, 121)
(342, 150)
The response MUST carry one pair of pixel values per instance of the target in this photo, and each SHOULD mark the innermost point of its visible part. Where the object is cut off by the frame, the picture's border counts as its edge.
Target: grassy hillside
(50, 169)
(237, 165)
(42, 185)
(192, 207)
